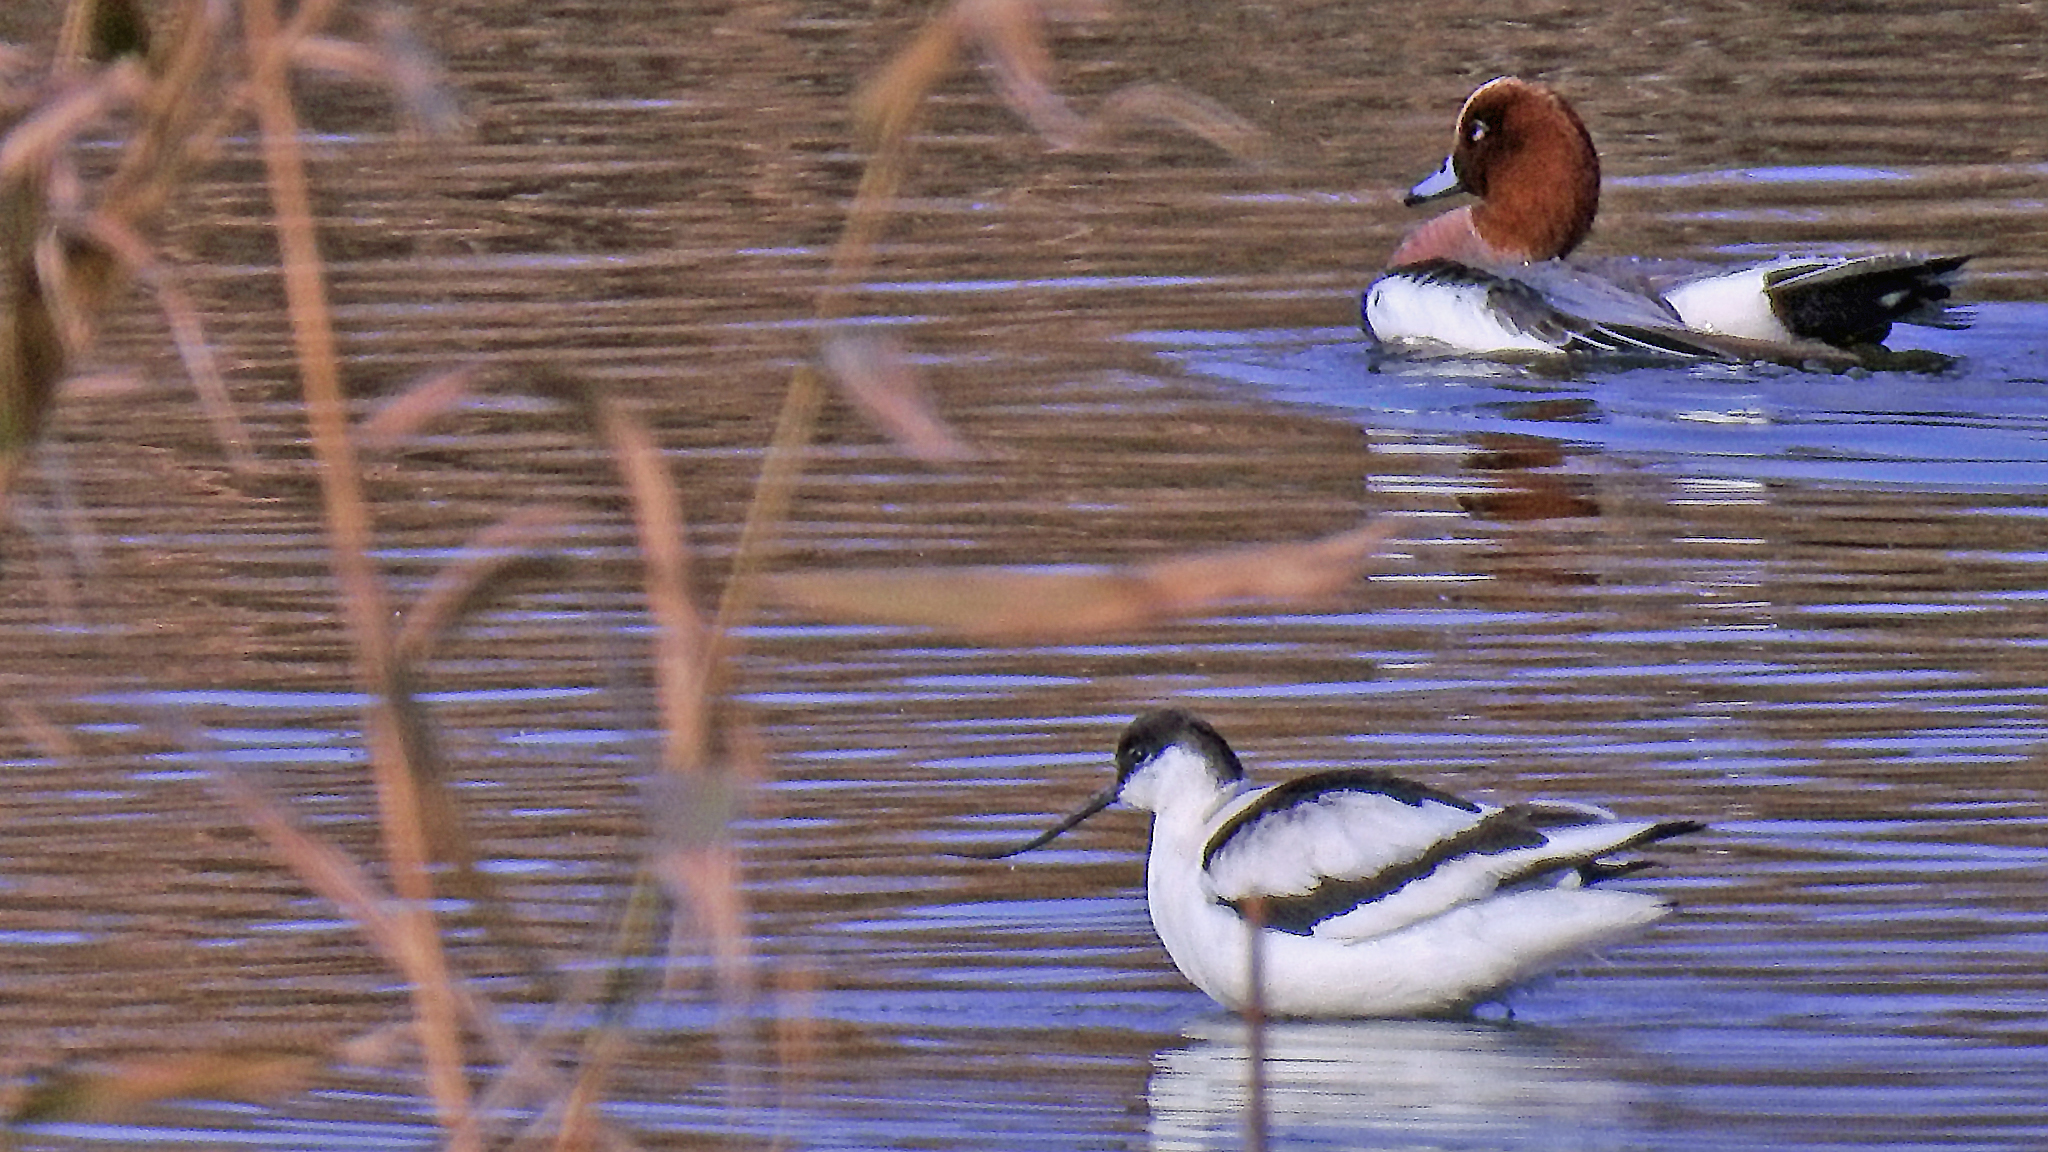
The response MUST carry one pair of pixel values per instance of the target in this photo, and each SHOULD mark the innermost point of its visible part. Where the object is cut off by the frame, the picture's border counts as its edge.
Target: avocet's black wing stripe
(1592, 868)
(1496, 832)
(1282, 798)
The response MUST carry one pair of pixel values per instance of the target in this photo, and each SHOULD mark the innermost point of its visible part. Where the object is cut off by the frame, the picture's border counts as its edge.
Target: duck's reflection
(1389, 1084)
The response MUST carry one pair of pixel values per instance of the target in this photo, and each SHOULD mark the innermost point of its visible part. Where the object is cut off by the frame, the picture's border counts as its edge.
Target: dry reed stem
(62, 262)
(116, 1093)
(579, 1128)
(773, 491)
(876, 374)
(693, 857)
(156, 155)
(1012, 37)
(63, 300)
(887, 110)
(447, 835)
(32, 144)
(201, 366)
(798, 1037)
(59, 580)
(492, 557)
(1255, 1025)
(1197, 115)
(186, 116)
(53, 741)
(336, 877)
(426, 97)
(403, 414)
(92, 28)
(890, 119)
(1067, 604)
(613, 986)
(74, 36)
(384, 922)
(398, 61)
(796, 424)
(885, 106)
(682, 652)
(362, 593)
(60, 533)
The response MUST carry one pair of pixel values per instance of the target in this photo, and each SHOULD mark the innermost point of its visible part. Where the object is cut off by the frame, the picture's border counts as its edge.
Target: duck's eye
(1477, 131)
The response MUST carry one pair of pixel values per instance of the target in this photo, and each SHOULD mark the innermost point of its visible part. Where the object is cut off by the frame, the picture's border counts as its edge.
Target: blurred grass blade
(326, 870)
(127, 245)
(1170, 106)
(885, 108)
(31, 350)
(1031, 604)
(1011, 36)
(705, 881)
(32, 145)
(336, 877)
(399, 62)
(1275, 573)
(339, 57)
(346, 510)
(52, 288)
(412, 408)
(62, 299)
(875, 374)
(117, 1092)
(701, 875)
(492, 558)
(682, 639)
(50, 740)
(694, 862)
(426, 97)
(186, 94)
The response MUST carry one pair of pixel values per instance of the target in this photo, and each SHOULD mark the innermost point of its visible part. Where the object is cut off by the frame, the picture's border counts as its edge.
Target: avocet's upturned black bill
(1096, 803)
(1373, 895)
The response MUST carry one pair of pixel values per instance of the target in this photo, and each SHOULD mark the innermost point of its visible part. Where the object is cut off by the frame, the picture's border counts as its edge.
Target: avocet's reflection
(1389, 1084)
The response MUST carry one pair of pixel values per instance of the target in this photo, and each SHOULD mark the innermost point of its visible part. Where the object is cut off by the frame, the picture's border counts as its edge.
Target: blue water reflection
(1980, 426)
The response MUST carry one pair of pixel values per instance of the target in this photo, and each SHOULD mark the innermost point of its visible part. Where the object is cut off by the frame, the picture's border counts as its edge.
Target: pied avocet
(1377, 896)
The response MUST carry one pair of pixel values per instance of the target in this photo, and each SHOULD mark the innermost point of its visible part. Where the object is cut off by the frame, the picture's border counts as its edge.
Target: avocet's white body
(1376, 896)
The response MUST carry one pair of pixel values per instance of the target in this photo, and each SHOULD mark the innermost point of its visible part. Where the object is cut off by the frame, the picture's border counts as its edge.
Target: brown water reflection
(1813, 619)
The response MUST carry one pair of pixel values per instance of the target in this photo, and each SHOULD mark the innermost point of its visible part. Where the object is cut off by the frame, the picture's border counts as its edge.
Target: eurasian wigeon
(1492, 278)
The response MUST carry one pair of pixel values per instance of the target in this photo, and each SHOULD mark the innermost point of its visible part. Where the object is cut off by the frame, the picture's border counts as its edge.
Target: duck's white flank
(1732, 303)
(1428, 316)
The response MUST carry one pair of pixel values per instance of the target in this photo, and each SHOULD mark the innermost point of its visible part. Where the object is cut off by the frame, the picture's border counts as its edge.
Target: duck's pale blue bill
(1439, 184)
(1096, 803)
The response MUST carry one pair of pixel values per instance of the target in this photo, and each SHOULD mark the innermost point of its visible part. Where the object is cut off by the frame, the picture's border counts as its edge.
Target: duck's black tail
(1857, 302)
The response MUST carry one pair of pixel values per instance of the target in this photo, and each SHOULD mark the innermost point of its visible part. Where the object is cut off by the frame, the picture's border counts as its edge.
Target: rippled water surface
(1808, 609)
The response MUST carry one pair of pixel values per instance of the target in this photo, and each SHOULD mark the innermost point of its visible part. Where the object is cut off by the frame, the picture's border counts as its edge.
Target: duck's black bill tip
(1437, 185)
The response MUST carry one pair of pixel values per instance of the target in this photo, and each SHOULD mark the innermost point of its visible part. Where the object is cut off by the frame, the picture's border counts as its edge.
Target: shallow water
(1809, 609)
